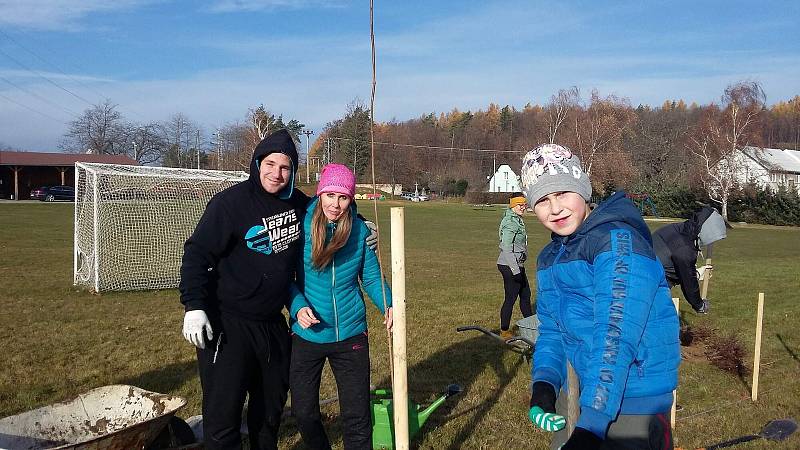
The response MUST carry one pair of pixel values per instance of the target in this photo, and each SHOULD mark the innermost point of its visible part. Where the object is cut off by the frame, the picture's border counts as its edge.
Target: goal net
(131, 222)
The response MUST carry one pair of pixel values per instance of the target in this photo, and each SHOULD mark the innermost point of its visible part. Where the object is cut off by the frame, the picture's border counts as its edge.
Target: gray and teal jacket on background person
(333, 293)
(513, 241)
(605, 306)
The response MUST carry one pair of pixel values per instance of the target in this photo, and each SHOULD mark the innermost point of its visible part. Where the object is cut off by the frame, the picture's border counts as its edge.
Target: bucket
(529, 327)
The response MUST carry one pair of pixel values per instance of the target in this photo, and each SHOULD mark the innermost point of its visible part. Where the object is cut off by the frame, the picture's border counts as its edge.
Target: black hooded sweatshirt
(243, 252)
(676, 247)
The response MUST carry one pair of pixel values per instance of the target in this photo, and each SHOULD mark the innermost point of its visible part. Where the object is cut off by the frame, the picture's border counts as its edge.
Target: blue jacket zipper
(333, 295)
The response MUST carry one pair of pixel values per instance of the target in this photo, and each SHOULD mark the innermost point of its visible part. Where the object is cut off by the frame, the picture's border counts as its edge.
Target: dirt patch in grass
(724, 351)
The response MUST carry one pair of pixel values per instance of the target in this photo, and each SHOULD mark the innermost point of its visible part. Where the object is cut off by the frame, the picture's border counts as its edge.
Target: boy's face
(561, 212)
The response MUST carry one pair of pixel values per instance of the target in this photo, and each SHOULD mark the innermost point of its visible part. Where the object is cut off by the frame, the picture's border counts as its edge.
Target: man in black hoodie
(235, 275)
(676, 246)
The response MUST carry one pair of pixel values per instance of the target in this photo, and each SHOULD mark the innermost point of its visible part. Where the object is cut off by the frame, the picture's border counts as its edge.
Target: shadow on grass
(165, 379)
(462, 363)
(788, 350)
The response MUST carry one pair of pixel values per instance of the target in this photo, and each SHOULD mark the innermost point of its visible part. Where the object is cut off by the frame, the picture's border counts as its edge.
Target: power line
(51, 64)
(31, 109)
(46, 78)
(432, 147)
(103, 96)
(73, 114)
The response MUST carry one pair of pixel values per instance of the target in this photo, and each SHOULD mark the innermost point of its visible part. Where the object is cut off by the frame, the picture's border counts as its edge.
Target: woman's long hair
(322, 254)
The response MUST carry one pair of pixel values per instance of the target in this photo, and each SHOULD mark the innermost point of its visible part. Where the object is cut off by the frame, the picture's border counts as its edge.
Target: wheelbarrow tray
(108, 418)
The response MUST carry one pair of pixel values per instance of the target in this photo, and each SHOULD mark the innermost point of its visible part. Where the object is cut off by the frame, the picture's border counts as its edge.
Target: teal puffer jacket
(333, 293)
(513, 241)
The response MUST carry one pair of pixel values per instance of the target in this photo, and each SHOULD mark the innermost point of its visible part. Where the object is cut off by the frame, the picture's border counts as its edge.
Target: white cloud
(226, 6)
(58, 14)
(24, 74)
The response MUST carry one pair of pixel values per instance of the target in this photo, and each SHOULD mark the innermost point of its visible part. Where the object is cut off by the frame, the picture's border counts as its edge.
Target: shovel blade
(779, 430)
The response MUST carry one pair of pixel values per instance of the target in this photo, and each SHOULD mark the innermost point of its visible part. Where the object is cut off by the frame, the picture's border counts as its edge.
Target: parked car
(38, 193)
(420, 198)
(53, 193)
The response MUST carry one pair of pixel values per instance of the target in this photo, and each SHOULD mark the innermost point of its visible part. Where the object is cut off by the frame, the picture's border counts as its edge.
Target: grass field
(58, 340)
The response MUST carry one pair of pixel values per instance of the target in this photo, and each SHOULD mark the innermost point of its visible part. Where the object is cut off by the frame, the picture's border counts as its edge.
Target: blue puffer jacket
(605, 306)
(333, 293)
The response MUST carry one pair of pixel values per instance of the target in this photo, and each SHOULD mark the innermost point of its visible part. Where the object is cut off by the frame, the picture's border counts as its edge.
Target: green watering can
(383, 418)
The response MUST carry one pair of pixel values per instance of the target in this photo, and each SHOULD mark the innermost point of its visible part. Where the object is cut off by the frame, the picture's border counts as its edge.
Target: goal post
(131, 222)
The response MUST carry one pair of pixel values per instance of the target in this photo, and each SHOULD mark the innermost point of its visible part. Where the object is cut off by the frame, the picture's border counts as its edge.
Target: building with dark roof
(21, 172)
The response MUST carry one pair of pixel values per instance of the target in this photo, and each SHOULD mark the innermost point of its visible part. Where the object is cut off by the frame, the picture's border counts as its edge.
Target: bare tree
(598, 139)
(178, 134)
(234, 146)
(146, 143)
(559, 108)
(99, 130)
(718, 139)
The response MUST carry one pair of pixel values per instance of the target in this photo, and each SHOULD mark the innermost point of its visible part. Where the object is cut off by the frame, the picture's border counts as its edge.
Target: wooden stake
(673, 414)
(757, 357)
(400, 385)
(573, 399)
(706, 280)
(707, 274)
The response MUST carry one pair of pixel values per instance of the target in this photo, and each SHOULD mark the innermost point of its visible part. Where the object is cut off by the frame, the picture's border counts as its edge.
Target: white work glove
(372, 239)
(195, 325)
(704, 270)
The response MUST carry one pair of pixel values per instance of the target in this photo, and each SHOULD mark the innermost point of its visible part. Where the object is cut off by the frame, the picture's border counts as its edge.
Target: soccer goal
(131, 222)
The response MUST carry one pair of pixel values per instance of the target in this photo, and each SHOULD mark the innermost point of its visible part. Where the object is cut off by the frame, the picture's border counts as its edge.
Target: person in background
(510, 263)
(677, 246)
(328, 312)
(604, 307)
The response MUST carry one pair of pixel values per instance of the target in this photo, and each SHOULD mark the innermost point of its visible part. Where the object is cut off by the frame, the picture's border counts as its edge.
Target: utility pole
(327, 151)
(197, 147)
(219, 147)
(308, 160)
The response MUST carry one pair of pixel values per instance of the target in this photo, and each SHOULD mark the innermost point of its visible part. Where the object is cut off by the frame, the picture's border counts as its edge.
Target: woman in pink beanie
(328, 312)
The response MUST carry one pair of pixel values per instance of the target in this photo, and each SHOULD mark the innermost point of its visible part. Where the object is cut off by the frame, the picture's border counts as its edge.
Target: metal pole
(308, 160)
(328, 160)
(75, 230)
(197, 147)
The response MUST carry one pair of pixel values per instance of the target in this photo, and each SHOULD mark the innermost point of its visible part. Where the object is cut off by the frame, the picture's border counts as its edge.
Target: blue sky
(307, 59)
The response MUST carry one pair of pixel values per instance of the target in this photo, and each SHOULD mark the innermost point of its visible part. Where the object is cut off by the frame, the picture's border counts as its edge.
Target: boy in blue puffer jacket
(328, 313)
(604, 307)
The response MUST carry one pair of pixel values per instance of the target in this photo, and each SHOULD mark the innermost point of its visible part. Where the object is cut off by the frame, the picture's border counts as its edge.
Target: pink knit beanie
(337, 178)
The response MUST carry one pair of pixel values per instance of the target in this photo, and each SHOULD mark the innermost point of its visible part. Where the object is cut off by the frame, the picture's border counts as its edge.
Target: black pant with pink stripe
(349, 360)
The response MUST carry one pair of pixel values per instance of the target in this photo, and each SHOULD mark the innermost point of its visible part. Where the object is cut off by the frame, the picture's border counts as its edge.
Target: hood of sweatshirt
(616, 208)
(280, 141)
(705, 218)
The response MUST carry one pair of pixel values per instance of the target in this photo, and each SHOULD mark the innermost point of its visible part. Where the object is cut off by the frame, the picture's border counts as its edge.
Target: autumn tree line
(678, 154)
(688, 151)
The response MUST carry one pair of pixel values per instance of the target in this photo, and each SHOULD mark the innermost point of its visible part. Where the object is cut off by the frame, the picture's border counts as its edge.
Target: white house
(504, 180)
(771, 167)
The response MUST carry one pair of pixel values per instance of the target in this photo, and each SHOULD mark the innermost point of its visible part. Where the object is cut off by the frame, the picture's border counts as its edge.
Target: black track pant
(349, 360)
(245, 357)
(514, 285)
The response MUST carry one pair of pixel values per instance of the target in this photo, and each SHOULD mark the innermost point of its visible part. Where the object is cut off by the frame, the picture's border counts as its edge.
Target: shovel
(775, 430)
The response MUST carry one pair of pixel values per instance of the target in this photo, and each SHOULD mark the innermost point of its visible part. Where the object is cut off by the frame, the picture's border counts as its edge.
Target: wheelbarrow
(522, 343)
(108, 418)
(383, 415)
